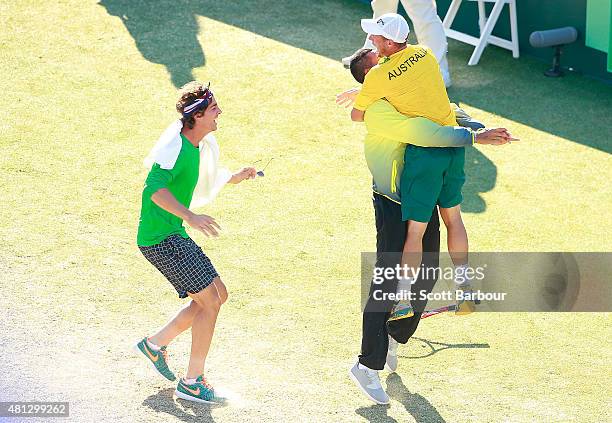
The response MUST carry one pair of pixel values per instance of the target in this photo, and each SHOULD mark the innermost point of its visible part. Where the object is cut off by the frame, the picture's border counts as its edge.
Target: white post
(451, 13)
(486, 33)
(482, 16)
(514, 30)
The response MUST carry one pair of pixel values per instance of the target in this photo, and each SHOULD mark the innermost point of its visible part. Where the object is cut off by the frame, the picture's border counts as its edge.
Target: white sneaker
(391, 362)
(368, 381)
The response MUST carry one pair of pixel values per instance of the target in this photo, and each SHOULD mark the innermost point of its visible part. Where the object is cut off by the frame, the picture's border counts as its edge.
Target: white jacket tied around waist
(211, 178)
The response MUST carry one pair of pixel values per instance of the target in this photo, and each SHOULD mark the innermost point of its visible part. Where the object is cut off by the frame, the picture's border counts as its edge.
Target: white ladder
(486, 25)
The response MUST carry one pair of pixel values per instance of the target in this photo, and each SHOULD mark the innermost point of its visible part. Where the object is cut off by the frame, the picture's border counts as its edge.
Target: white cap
(390, 25)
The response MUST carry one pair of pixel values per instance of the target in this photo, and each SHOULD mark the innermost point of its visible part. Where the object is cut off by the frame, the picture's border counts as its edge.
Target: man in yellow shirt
(388, 133)
(427, 26)
(408, 76)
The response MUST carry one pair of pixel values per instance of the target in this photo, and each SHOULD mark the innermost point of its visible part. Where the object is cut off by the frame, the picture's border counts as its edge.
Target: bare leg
(457, 235)
(458, 250)
(177, 325)
(411, 262)
(413, 248)
(209, 301)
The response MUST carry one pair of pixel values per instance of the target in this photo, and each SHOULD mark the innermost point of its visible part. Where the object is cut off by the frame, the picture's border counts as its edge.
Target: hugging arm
(418, 131)
(495, 136)
(423, 132)
(465, 120)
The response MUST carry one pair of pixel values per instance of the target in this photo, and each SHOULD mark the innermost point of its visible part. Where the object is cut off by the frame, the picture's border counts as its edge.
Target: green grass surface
(86, 90)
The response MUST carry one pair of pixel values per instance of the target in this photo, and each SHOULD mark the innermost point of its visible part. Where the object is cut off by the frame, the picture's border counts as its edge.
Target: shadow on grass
(417, 405)
(165, 32)
(376, 413)
(432, 347)
(481, 177)
(573, 107)
(163, 402)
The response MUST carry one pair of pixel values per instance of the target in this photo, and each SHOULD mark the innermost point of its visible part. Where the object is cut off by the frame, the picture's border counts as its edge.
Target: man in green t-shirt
(168, 193)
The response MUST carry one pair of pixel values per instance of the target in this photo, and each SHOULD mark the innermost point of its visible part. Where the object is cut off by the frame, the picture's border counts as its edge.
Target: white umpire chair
(486, 25)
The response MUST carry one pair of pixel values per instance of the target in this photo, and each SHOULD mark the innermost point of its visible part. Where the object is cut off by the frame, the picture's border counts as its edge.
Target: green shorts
(431, 176)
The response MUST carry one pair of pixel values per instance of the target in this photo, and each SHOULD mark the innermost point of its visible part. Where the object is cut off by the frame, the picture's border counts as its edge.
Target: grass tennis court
(87, 89)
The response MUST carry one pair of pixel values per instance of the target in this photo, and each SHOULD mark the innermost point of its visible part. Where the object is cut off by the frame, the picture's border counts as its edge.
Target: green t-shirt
(156, 224)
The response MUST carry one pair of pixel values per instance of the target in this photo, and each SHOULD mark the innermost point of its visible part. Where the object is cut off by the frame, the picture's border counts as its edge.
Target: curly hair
(189, 93)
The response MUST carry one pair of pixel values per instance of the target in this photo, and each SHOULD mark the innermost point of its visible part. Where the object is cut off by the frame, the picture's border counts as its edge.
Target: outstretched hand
(495, 136)
(347, 98)
(245, 173)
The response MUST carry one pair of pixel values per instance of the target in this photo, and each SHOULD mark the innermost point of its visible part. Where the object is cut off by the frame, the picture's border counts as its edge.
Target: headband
(199, 104)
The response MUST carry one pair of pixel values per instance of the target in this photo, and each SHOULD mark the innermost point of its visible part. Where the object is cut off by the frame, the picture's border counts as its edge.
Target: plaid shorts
(182, 262)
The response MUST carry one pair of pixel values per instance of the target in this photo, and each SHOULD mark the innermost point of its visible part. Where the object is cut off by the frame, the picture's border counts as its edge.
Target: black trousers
(390, 238)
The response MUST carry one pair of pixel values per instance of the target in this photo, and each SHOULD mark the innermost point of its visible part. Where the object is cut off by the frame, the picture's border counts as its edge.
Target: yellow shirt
(411, 81)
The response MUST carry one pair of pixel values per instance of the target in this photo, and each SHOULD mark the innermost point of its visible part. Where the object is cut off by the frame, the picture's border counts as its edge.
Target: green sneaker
(401, 310)
(200, 391)
(158, 359)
